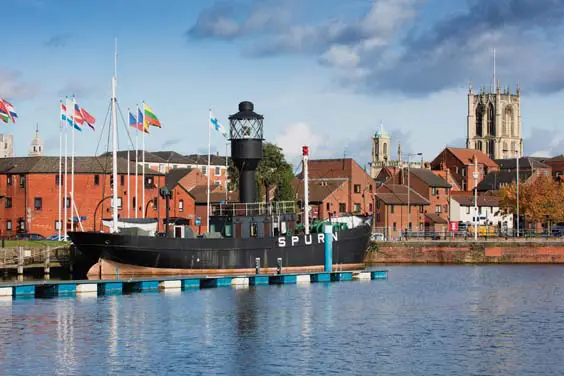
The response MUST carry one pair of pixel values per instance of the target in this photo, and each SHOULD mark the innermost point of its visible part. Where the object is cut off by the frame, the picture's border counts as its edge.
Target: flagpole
(143, 169)
(136, 162)
(208, 173)
(226, 170)
(114, 147)
(60, 171)
(66, 176)
(128, 184)
(72, 160)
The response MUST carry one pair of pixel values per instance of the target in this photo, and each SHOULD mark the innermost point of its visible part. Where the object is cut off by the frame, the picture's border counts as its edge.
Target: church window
(508, 121)
(385, 149)
(491, 120)
(479, 119)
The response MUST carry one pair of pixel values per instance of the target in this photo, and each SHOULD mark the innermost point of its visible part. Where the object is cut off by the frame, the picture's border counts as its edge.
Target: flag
(10, 110)
(215, 124)
(150, 117)
(136, 124)
(4, 115)
(65, 117)
(85, 116)
(77, 115)
(141, 121)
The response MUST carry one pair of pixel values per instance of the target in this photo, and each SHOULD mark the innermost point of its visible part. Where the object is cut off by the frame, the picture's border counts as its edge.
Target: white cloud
(341, 56)
(294, 136)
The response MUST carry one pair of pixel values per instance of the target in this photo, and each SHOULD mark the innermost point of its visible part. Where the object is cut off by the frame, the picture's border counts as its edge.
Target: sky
(325, 73)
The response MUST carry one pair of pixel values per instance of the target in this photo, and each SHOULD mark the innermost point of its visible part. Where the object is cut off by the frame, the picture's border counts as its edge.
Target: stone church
(494, 122)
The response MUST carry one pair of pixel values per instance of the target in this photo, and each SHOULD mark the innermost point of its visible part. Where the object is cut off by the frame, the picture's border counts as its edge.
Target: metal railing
(389, 234)
(255, 208)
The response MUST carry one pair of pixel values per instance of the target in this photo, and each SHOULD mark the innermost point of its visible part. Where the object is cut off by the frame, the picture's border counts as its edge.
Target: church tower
(36, 148)
(380, 151)
(494, 122)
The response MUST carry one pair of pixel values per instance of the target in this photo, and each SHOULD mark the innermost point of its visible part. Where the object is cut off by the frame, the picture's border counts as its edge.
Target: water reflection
(423, 320)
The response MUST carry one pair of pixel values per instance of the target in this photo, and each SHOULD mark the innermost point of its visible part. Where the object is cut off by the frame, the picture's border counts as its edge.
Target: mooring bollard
(279, 265)
(257, 265)
(47, 266)
(328, 239)
(20, 261)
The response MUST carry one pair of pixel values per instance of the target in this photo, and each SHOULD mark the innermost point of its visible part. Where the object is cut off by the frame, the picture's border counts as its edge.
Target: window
(134, 203)
(377, 204)
(434, 191)
(328, 206)
(395, 226)
(174, 166)
(464, 172)
(446, 191)
(370, 188)
(217, 171)
(217, 183)
(9, 179)
(22, 181)
(370, 207)
(96, 179)
(468, 210)
(357, 188)
(342, 207)
(57, 225)
(204, 170)
(392, 207)
(181, 205)
(253, 230)
(9, 225)
(161, 167)
(8, 202)
(438, 209)
(149, 182)
(409, 227)
(421, 209)
(421, 227)
(122, 180)
(357, 207)
(38, 203)
(22, 225)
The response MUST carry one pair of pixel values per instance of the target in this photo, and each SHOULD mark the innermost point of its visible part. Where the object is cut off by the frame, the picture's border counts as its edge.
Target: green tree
(273, 170)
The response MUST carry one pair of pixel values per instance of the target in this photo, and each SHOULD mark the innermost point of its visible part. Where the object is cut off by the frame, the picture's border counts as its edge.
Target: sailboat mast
(114, 149)
(305, 155)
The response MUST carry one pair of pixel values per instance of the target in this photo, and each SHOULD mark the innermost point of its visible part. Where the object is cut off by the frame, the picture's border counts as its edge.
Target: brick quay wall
(467, 252)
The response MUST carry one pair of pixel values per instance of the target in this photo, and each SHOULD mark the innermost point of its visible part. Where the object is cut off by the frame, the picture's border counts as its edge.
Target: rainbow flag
(149, 117)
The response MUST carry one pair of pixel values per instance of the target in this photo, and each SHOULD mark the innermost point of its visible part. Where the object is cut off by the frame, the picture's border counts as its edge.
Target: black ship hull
(115, 254)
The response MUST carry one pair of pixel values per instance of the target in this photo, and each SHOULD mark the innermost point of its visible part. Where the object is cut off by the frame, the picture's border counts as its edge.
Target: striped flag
(4, 116)
(150, 117)
(133, 122)
(10, 110)
(82, 116)
(66, 118)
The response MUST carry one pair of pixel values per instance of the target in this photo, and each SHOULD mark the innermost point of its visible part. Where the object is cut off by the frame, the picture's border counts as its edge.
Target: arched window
(508, 121)
(479, 119)
(513, 148)
(491, 120)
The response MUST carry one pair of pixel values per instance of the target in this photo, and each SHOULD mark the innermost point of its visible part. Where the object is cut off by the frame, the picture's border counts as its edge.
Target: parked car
(27, 236)
(56, 237)
(377, 236)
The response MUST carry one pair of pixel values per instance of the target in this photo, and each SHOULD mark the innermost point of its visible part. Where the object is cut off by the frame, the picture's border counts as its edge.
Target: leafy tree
(540, 200)
(273, 170)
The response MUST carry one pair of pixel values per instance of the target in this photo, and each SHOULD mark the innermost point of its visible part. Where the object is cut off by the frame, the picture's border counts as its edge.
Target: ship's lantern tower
(246, 135)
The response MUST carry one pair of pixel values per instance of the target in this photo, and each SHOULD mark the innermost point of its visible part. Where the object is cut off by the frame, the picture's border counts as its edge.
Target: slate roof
(493, 181)
(172, 157)
(429, 178)
(82, 165)
(202, 159)
(525, 163)
(484, 200)
(174, 176)
(319, 190)
(200, 194)
(396, 194)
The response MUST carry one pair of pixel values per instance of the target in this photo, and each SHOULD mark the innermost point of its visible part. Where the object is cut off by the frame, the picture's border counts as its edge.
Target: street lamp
(516, 188)
(408, 189)
(475, 175)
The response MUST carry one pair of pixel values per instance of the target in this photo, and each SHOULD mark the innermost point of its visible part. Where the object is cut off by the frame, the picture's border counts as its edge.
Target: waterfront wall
(467, 252)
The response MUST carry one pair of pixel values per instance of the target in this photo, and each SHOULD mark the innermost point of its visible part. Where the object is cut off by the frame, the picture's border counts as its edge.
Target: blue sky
(322, 72)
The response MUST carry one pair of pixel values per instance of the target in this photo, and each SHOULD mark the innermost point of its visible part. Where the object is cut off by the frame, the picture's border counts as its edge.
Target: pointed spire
(36, 129)
(518, 88)
(470, 87)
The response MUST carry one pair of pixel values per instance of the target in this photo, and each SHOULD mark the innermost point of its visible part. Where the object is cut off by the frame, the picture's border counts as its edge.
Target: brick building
(30, 190)
(326, 197)
(433, 188)
(360, 187)
(391, 213)
(460, 163)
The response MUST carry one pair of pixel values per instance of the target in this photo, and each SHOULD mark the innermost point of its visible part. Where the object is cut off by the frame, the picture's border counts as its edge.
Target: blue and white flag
(215, 124)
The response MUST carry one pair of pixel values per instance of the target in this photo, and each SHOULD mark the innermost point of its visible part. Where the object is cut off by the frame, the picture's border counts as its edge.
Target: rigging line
(105, 168)
(102, 131)
(131, 144)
